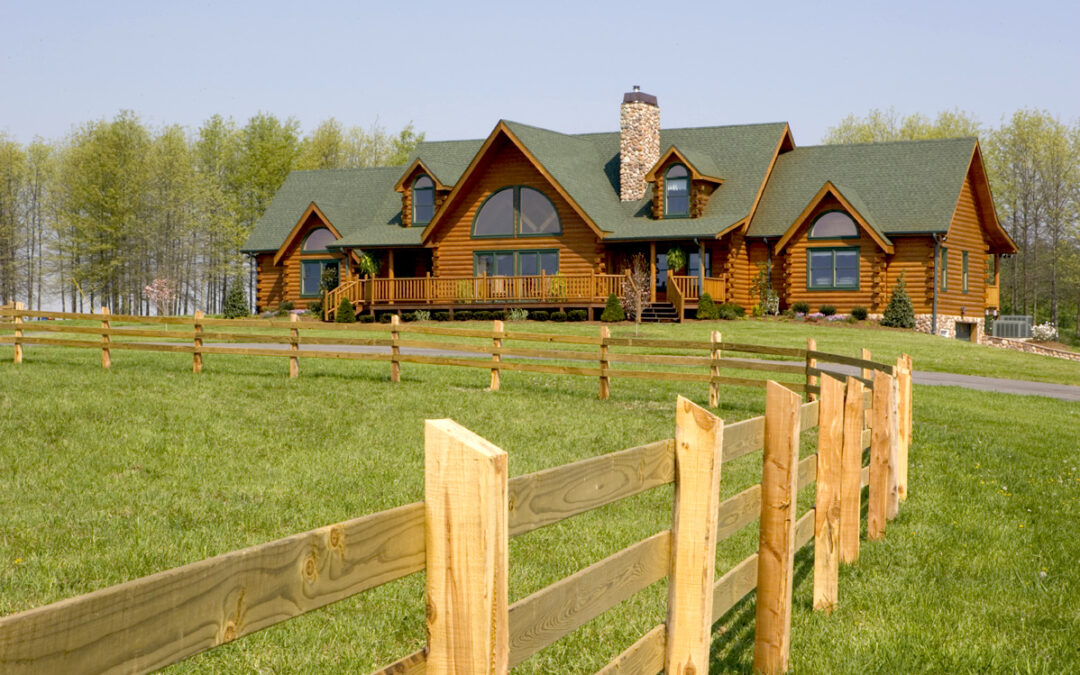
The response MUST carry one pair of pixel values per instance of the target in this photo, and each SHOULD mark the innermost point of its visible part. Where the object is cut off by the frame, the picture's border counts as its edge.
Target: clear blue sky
(455, 68)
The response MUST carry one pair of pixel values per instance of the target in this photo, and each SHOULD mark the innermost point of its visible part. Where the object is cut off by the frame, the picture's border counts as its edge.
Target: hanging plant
(676, 259)
(367, 264)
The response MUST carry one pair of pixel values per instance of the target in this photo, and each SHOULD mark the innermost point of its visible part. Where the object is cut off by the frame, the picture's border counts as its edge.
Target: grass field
(108, 476)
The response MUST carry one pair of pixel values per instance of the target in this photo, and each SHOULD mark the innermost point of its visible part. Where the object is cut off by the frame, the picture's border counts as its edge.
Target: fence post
(881, 433)
(776, 547)
(714, 369)
(18, 332)
(395, 351)
(605, 384)
(811, 380)
(827, 502)
(699, 441)
(465, 536)
(892, 502)
(497, 328)
(106, 353)
(294, 346)
(866, 372)
(196, 358)
(903, 365)
(851, 472)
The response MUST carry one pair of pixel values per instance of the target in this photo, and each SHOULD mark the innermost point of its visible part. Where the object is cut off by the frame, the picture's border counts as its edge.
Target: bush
(420, 315)
(558, 316)
(801, 307)
(706, 308)
(236, 304)
(314, 308)
(345, 313)
(385, 317)
(539, 315)
(613, 310)
(498, 315)
(758, 310)
(441, 316)
(899, 313)
(462, 315)
(482, 315)
(1044, 332)
(284, 308)
(859, 313)
(827, 310)
(518, 314)
(577, 315)
(789, 313)
(365, 318)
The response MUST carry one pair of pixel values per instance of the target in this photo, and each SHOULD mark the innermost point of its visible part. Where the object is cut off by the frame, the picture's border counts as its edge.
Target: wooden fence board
(644, 657)
(734, 585)
(851, 361)
(148, 623)
(413, 664)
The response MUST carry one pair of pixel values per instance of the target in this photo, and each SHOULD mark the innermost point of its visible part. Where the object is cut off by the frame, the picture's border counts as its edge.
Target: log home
(529, 217)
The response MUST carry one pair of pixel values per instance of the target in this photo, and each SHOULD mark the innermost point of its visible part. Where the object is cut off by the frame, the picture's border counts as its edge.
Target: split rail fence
(595, 353)
(461, 543)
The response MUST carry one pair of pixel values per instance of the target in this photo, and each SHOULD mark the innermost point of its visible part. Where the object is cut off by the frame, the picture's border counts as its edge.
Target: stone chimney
(639, 142)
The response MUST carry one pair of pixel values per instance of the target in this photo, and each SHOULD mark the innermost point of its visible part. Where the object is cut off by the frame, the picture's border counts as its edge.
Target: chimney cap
(638, 96)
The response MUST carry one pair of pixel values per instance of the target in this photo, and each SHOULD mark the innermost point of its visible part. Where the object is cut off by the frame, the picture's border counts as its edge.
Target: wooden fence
(594, 354)
(461, 543)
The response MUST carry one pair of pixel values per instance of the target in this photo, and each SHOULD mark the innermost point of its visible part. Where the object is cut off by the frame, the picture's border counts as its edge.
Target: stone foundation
(1031, 348)
(946, 325)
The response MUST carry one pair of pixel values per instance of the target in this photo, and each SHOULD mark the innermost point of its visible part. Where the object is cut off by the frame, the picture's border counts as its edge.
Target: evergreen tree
(613, 310)
(899, 313)
(707, 308)
(345, 313)
(236, 305)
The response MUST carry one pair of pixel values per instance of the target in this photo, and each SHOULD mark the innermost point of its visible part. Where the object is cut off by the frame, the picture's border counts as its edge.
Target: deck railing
(676, 295)
(716, 288)
(993, 296)
(351, 290)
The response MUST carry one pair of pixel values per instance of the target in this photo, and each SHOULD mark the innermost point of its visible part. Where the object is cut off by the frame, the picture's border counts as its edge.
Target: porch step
(659, 312)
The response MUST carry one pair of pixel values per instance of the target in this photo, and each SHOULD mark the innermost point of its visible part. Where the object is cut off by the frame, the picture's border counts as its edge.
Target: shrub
(462, 315)
(420, 315)
(365, 318)
(1044, 332)
(613, 310)
(706, 308)
(758, 310)
(789, 313)
(284, 308)
(801, 307)
(725, 311)
(345, 313)
(517, 314)
(739, 310)
(859, 313)
(498, 315)
(899, 313)
(539, 315)
(236, 305)
(558, 316)
(385, 317)
(827, 310)
(441, 316)
(577, 315)
(315, 307)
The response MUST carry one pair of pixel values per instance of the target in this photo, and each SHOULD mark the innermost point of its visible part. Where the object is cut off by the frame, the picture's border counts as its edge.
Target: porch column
(390, 273)
(701, 268)
(652, 271)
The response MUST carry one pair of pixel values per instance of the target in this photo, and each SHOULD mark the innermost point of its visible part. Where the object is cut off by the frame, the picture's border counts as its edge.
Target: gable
(831, 198)
(975, 211)
(312, 219)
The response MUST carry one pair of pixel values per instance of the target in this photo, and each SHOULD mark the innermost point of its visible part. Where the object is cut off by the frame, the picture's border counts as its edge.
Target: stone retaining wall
(1031, 348)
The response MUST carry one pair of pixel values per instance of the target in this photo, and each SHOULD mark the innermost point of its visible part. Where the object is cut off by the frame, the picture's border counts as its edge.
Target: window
(964, 272)
(517, 211)
(830, 269)
(677, 191)
(423, 200)
(944, 269)
(834, 225)
(317, 240)
(511, 263)
(311, 276)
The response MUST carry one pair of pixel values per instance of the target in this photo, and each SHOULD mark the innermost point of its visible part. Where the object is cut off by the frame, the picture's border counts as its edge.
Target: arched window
(517, 212)
(834, 225)
(317, 240)
(423, 200)
(677, 191)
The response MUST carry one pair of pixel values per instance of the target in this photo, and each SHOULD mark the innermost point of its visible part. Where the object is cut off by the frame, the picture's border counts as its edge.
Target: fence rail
(151, 622)
(716, 364)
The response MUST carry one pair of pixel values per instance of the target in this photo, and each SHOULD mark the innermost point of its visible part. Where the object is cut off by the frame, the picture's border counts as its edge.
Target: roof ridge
(951, 139)
(397, 167)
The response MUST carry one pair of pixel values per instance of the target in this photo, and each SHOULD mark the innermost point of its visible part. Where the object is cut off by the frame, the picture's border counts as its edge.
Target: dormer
(421, 195)
(680, 188)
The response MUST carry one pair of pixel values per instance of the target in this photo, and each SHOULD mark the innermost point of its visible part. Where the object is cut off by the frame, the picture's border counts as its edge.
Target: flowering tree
(635, 288)
(161, 293)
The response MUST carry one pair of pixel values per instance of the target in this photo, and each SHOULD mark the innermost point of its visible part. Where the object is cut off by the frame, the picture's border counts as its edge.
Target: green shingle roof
(901, 187)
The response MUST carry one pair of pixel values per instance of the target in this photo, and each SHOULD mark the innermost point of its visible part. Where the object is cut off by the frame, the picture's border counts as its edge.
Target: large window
(511, 263)
(423, 200)
(830, 269)
(834, 225)
(677, 191)
(318, 239)
(311, 276)
(517, 212)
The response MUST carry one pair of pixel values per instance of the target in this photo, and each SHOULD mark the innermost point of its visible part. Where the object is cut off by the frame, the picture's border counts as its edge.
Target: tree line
(1033, 163)
(95, 218)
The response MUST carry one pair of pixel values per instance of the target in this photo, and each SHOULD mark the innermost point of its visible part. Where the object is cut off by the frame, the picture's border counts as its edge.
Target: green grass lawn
(106, 476)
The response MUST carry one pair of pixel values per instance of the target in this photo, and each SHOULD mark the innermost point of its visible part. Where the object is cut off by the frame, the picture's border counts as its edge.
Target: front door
(661, 277)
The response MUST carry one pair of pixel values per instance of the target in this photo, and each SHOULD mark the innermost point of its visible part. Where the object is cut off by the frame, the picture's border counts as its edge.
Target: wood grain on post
(827, 502)
(605, 381)
(18, 332)
(196, 355)
(465, 536)
(106, 355)
(714, 369)
(811, 380)
(867, 373)
(877, 503)
(892, 495)
(395, 350)
(294, 346)
(851, 472)
(904, 412)
(496, 342)
(776, 547)
(699, 440)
